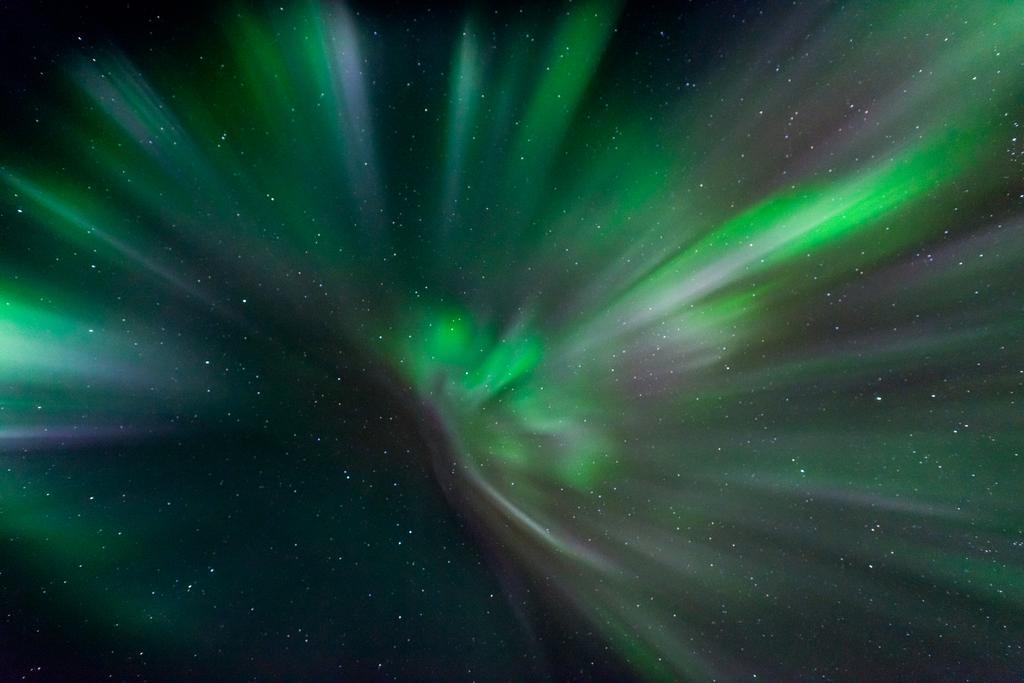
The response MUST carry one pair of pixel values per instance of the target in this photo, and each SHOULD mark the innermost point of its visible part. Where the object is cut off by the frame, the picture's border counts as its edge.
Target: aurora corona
(713, 354)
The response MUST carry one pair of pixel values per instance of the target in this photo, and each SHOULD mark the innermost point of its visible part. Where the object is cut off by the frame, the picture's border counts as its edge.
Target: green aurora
(717, 366)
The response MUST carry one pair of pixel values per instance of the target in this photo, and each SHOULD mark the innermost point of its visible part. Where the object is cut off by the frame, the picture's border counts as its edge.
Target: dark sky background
(302, 532)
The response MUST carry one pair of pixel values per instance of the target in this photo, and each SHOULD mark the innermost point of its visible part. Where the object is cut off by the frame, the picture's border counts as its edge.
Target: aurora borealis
(599, 341)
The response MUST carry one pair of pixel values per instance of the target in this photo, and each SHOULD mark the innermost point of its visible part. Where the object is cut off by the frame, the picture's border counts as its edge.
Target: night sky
(594, 341)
